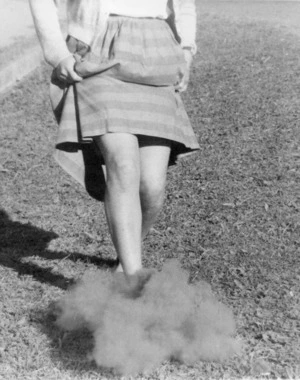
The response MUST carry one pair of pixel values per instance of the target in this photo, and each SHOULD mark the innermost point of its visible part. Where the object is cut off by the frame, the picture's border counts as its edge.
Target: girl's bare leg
(154, 159)
(136, 178)
(122, 198)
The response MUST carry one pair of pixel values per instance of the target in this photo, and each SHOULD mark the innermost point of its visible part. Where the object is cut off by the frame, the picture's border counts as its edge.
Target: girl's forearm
(187, 23)
(45, 17)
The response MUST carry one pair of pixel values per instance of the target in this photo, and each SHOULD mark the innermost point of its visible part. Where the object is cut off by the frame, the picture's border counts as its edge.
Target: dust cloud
(154, 316)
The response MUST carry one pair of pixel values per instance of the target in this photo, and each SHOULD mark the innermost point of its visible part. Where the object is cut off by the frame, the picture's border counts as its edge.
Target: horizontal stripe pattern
(136, 96)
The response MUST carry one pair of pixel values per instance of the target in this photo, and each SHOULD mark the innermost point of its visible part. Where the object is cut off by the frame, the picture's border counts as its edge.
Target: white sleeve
(45, 17)
(186, 23)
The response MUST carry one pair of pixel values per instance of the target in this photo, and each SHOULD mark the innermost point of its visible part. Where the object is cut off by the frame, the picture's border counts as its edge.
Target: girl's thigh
(118, 146)
(144, 154)
(154, 159)
(120, 152)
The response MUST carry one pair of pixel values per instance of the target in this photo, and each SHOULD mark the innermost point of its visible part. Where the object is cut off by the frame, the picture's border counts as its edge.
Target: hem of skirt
(60, 156)
(71, 157)
(77, 172)
(182, 156)
(88, 137)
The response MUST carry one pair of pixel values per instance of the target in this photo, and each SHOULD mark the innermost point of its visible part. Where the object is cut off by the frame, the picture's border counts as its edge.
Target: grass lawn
(231, 214)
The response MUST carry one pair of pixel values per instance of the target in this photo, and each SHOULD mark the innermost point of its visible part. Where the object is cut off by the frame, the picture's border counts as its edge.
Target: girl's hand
(65, 71)
(184, 81)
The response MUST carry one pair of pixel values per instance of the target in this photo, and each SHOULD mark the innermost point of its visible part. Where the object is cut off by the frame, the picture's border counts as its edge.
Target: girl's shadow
(18, 241)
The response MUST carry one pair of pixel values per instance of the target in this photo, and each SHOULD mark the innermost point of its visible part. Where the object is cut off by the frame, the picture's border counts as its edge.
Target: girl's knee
(152, 192)
(123, 171)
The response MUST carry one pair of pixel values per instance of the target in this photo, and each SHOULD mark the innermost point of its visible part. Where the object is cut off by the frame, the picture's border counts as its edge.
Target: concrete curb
(13, 73)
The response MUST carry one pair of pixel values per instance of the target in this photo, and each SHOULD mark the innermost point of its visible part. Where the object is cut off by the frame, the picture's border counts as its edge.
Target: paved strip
(16, 25)
(15, 21)
(17, 70)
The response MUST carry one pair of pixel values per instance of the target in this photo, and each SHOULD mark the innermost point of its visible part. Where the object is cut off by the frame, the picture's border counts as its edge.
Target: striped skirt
(128, 87)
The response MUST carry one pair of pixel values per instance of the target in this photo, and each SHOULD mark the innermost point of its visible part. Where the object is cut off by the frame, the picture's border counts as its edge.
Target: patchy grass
(231, 214)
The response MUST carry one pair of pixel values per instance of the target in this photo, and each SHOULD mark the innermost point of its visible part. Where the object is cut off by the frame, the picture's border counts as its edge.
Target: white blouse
(140, 8)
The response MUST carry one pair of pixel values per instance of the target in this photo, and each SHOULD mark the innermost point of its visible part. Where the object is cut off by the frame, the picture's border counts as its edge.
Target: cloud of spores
(155, 316)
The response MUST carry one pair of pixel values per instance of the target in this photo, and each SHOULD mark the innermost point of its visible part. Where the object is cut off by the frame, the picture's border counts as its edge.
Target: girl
(115, 93)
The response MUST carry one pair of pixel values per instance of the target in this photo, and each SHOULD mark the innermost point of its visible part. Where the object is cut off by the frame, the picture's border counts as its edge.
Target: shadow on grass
(18, 241)
(69, 350)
